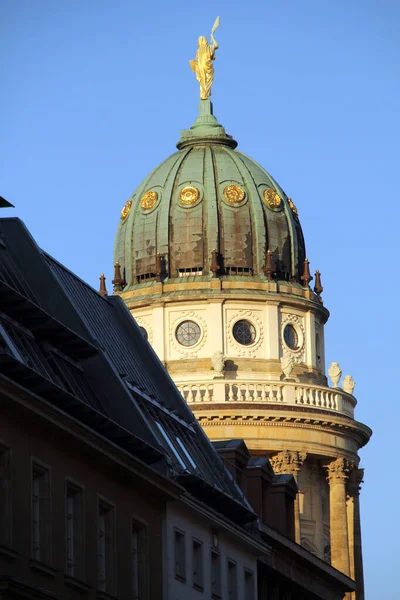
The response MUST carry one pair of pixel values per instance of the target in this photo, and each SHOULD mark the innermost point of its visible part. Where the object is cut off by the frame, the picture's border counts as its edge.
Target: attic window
(171, 446)
(186, 453)
(238, 271)
(190, 272)
(145, 277)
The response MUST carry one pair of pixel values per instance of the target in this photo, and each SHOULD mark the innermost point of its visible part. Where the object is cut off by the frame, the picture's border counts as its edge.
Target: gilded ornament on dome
(189, 195)
(233, 194)
(293, 207)
(272, 198)
(126, 209)
(149, 200)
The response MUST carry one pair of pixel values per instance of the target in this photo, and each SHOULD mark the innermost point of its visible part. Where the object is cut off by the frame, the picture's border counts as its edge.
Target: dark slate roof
(85, 353)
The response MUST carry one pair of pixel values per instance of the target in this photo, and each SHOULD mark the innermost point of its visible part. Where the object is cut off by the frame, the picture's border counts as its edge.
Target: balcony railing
(280, 393)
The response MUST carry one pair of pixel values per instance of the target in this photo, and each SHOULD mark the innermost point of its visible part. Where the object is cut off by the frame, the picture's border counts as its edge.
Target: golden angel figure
(202, 65)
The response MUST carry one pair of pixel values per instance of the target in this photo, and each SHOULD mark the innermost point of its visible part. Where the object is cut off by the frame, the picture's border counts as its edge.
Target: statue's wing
(192, 65)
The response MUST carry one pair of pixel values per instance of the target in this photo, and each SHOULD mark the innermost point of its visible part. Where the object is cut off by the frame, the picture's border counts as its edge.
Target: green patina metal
(225, 209)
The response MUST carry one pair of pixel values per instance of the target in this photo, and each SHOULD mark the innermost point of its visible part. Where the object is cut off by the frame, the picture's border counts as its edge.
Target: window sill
(43, 568)
(180, 578)
(8, 552)
(199, 588)
(78, 584)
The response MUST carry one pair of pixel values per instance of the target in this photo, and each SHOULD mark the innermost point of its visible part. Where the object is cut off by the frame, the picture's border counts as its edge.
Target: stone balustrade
(289, 393)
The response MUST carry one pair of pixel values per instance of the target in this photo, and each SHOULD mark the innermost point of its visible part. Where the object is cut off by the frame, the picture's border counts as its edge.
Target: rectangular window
(248, 584)
(197, 564)
(171, 446)
(139, 561)
(41, 515)
(179, 555)
(215, 574)
(5, 497)
(106, 548)
(75, 531)
(232, 580)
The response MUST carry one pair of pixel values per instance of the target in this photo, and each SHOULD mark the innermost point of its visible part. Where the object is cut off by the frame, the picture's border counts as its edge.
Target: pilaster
(290, 462)
(354, 525)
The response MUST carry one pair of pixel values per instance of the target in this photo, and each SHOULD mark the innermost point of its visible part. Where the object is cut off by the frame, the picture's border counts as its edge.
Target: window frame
(199, 583)
(79, 537)
(109, 585)
(141, 524)
(216, 586)
(6, 494)
(44, 513)
(181, 573)
(234, 594)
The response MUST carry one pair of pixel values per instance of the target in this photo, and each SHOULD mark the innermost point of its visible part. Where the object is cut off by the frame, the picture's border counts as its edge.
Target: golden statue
(202, 65)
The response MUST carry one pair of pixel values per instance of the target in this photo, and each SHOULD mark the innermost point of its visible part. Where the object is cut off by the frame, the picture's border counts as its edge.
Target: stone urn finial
(218, 362)
(348, 384)
(287, 364)
(335, 373)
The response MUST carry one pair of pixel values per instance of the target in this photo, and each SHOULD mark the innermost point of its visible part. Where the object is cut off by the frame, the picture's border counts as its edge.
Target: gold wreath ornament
(189, 195)
(233, 194)
(126, 209)
(149, 200)
(272, 198)
(293, 207)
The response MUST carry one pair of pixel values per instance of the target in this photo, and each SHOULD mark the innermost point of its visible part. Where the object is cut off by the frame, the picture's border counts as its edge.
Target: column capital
(288, 461)
(355, 480)
(338, 470)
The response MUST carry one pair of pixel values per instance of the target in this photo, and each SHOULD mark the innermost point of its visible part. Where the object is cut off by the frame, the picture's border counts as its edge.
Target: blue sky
(95, 93)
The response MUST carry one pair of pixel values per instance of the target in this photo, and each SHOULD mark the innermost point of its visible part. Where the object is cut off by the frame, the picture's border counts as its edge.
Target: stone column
(338, 471)
(289, 462)
(354, 525)
(317, 508)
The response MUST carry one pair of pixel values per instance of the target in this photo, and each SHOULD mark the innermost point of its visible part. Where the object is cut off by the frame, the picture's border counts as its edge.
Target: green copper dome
(205, 197)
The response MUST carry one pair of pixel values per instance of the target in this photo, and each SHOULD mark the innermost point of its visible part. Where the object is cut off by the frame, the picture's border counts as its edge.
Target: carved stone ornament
(287, 364)
(356, 478)
(233, 194)
(218, 362)
(126, 209)
(149, 200)
(272, 198)
(338, 470)
(293, 207)
(288, 462)
(348, 384)
(298, 353)
(144, 323)
(185, 351)
(189, 195)
(335, 373)
(235, 347)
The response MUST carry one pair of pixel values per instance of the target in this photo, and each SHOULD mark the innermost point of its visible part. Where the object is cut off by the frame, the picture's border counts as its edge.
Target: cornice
(258, 416)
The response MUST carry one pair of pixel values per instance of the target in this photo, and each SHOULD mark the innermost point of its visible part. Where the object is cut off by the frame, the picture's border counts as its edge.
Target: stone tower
(210, 259)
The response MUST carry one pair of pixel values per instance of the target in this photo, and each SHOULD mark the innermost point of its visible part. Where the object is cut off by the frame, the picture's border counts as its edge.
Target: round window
(144, 333)
(291, 338)
(244, 332)
(188, 333)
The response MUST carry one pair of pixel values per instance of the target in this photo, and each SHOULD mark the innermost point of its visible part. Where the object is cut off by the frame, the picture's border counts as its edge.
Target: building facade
(109, 488)
(210, 259)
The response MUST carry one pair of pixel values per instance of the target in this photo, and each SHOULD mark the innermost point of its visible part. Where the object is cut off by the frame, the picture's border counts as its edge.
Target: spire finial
(117, 282)
(202, 65)
(318, 289)
(103, 289)
(306, 277)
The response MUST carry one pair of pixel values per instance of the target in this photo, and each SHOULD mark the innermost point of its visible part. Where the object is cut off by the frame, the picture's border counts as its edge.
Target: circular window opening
(244, 332)
(291, 338)
(144, 333)
(188, 333)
